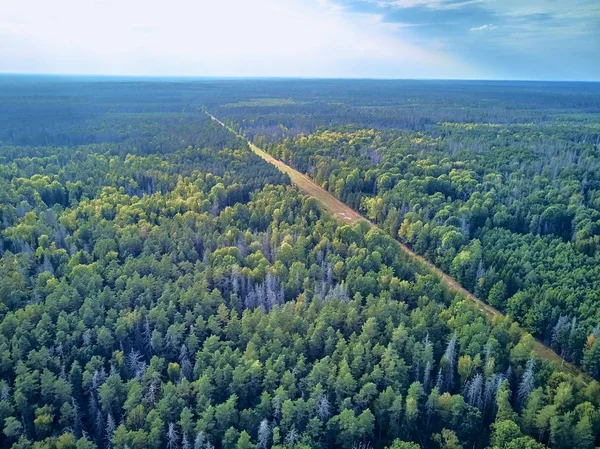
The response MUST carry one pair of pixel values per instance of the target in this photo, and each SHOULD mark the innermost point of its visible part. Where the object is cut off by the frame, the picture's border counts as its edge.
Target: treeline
(275, 110)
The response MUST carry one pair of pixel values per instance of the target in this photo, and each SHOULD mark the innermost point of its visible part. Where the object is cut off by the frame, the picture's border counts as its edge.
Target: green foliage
(399, 444)
(162, 287)
(509, 210)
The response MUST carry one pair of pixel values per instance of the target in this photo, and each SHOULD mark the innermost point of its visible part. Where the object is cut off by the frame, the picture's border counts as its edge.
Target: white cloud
(485, 27)
(209, 38)
(431, 4)
(411, 3)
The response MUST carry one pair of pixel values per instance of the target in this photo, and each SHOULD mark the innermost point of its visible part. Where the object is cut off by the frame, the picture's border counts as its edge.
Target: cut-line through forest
(345, 213)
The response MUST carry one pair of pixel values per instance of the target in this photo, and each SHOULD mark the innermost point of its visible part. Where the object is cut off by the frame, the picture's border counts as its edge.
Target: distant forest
(163, 287)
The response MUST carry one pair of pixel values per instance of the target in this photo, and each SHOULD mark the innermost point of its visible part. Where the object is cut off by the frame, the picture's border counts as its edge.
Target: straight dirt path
(348, 215)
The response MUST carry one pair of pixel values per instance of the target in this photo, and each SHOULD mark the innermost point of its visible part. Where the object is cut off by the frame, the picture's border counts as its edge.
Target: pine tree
(505, 411)
(450, 358)
(473, 391)
(110, 428)
(264, 434)
(199, 440)
(172, 437)
(184, 361)
(292, 437)
(527, 382)
(323, 408)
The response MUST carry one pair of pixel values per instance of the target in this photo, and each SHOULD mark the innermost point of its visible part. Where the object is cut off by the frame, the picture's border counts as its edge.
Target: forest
(503, 194)
(163, 287)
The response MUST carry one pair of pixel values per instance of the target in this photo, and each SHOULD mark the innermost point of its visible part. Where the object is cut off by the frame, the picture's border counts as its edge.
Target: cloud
(485, 27)
(328, 38)
(410, 3)
(210, 38)
(529, 27)
(431, 4)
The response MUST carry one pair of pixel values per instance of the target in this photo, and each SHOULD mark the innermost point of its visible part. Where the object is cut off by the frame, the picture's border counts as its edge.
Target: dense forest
(161, 286)
(502, 193)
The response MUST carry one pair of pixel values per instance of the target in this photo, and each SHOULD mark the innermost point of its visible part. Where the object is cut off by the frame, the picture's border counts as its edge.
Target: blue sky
(525, 39)
(490, 39)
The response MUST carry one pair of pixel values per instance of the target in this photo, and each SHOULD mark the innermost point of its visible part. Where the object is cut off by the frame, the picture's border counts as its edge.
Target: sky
(466, 39)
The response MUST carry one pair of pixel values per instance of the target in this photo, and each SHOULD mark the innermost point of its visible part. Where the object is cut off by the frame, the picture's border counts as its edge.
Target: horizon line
(287, 77)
